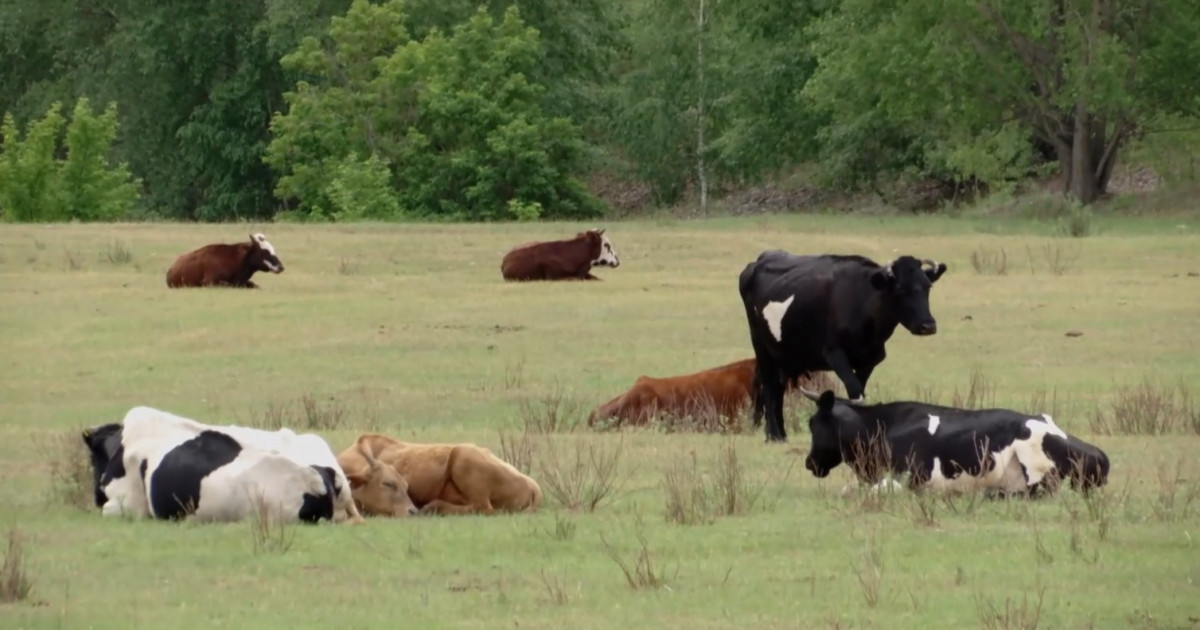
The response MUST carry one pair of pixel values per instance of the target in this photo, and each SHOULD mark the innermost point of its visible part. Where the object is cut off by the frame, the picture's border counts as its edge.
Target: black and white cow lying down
(157, 464)
(943, 448)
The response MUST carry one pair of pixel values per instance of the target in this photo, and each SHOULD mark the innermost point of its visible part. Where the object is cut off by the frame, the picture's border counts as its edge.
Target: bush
(36, 186)
(455, 118)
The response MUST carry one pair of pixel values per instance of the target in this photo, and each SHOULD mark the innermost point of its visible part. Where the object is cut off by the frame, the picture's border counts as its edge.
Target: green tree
(36, 186)
(457, 117)
(27, 185)
(926, 79)
(670, 104)
(89, 189)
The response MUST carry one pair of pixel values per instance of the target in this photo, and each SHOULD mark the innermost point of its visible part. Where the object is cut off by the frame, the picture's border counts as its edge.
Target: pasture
(409, 330)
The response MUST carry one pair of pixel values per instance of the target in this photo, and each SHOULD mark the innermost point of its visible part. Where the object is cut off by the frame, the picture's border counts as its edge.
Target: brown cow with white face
(222, 264)
(569, 259)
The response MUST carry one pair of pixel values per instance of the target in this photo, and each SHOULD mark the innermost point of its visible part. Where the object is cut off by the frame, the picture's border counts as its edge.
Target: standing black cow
(809, 313)
(943, 448)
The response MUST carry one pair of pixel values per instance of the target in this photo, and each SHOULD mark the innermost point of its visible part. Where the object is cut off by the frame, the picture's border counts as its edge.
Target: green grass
(409, 330)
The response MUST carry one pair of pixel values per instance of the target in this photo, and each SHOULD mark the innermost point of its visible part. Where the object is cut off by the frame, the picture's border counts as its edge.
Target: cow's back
(210, 264)
(510, 489)
(547, 260)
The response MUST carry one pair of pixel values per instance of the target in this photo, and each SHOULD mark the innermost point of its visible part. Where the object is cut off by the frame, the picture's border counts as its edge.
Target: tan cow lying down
(724, 390)
(441, 478)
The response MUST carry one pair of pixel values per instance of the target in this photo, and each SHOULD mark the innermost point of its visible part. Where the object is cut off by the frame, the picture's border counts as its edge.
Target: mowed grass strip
(410, 331)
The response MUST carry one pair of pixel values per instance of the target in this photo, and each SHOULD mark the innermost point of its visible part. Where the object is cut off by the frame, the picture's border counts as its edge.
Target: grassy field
(409, 330)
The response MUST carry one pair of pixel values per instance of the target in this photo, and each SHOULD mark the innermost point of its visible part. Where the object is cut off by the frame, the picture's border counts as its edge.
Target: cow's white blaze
(934, 421)
(608, 255)
(773, 313)
(266, 246)
(1017, 466)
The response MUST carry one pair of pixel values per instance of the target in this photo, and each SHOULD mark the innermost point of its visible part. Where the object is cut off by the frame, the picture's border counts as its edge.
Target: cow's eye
(390, 485)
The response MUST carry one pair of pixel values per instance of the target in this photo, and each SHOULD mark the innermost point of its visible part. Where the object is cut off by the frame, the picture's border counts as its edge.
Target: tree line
(464, 110)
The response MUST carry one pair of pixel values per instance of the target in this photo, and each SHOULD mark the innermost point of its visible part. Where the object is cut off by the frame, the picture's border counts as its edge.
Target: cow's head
(834, 426)
(603, 252)
(103, 444)
(380, 489)
(262, 256)
(906, 282)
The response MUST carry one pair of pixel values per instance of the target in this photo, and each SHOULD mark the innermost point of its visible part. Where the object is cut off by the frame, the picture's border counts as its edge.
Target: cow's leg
(589, 276)
(756, 397)
(772, 392)
(353, 516)
(438, 506)
(841, 366)
(863, 374)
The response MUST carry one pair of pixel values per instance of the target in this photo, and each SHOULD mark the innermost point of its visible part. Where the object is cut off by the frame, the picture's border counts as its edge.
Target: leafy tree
(27, 191)
(36, 186)
(457, 117)
(930, 78)
(669, 110)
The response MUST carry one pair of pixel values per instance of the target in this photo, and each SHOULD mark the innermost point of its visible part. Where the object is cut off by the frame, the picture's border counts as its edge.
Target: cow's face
(263, 256)
(829, 426)
(906, 282)
(103, 444)
(607, 256)
(381, 490)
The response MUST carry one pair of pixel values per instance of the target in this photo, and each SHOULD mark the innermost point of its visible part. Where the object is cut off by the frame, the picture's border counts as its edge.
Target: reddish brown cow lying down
(223, 264)
(570, 259)
(440, 478)
(724, 390)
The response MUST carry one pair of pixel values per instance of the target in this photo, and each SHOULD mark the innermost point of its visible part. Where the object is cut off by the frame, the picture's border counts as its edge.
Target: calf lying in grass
(943, 448)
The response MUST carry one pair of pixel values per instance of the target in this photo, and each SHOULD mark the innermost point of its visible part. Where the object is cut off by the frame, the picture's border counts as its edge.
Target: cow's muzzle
(928, 328)
(815, 469)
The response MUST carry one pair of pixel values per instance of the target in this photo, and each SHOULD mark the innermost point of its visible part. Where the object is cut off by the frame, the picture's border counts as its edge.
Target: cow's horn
(813, 396)
(933, 264)
(87, 433)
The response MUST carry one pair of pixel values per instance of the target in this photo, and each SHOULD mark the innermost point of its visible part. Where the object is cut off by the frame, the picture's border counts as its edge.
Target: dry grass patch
(70, 470)
(116, 252)
(268, 532)
(694, 494)
(518, 448)
(1010, 614)
(310, 412)
(15, 582)
(1148, 409)
(582, 472)
(643, 570)
(990, 262)
(555, 412)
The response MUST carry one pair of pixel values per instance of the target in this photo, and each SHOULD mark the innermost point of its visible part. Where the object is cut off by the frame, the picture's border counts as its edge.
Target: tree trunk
(701, 175)
(1088, 155)
(1082, 176)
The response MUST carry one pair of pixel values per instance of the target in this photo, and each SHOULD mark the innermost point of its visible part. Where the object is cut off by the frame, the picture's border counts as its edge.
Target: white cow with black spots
(155, 459)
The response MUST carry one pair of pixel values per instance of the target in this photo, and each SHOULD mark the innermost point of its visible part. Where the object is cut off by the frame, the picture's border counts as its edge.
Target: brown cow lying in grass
(222, 264)
(569, 259)
(723, 391)
(441, 478)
